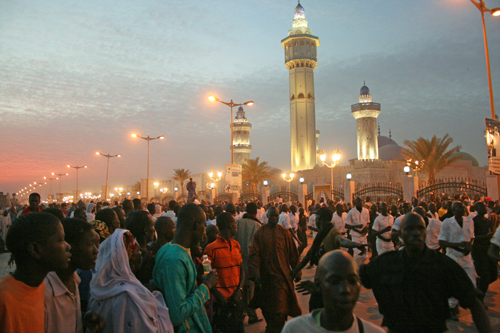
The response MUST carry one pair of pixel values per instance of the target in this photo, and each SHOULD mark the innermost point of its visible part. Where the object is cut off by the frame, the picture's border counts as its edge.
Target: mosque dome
(364, 91)
(465, 157)
(385, 141)
(390, 152)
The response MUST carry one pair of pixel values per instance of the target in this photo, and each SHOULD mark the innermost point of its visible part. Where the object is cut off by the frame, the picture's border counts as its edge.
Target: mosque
(379, 159)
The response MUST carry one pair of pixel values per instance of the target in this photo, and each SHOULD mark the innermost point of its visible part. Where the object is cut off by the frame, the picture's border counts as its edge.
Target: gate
(285, 195)
(382, 192)
(224, 197)
(452, 188)
(250, 196)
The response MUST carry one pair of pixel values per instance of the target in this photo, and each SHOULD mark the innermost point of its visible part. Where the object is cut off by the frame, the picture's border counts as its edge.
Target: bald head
(420, 211)
(413, 232)
(335, 261)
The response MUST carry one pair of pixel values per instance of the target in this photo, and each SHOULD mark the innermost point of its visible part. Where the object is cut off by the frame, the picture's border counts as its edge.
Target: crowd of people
(194, 267)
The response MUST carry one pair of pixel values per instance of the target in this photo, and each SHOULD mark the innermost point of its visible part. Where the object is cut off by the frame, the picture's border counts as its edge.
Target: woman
(90, 212)
(5, 223)
(117, 295)
(301, 230)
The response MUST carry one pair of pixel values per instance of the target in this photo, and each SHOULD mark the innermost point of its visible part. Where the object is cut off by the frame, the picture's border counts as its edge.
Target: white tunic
(382, 222)
(355, 217)
(284, 220)
(433, 230)
(339, 221)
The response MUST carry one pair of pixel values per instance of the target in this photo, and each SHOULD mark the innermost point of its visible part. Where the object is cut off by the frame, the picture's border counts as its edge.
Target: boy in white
(338, 219)
(456, 235)
(382, 227)
(340, 287)
(357, 222)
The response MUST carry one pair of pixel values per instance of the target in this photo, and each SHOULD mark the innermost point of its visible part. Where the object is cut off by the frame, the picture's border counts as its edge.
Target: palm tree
(433, 152)
(136, 187)
(255, 173)
(181, 175)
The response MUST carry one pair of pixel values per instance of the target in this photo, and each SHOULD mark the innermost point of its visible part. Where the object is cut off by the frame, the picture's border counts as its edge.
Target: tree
(136, 187)
(255, 173)
(433, 152)
(181, 175)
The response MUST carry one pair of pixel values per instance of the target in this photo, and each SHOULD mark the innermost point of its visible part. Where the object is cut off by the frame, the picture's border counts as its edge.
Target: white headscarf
(114, 279)
(90, 216)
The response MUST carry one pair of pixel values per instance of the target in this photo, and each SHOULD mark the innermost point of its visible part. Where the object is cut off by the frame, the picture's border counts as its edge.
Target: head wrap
(101, 228)
(130, 243)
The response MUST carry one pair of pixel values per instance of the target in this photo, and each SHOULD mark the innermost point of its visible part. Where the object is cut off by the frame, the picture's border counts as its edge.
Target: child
(36, 241)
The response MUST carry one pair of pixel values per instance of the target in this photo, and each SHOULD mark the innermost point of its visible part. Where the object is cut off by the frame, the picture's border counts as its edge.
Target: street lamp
(406, 169)
(231, 105)
(335, 160)
(219, 176)
(108, 156)
(495, 12)
(60, 175)
(77, 168)
(288, 179)
(348, 176)
(161, 137)
(266, 182)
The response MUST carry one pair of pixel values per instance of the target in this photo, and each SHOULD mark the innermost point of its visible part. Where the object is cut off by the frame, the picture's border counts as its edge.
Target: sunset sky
(78, 77)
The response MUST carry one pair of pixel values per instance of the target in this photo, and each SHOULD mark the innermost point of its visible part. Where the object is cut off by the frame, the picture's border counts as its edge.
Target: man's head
(212, 232)
(226, 222)
(458, 209)
(432, 207)
(272, 216)
(339, 208)
(34, 200)
(37, 239)
(358, 202)
(172, 204)
(128, 206)
(141, 225)
(339, 280)
(55, 211)
(191, 222)
(413, 232)
(109, 217)
(480, 208)
(384, 209)
(230, 208)
(406, 208)
(137, 204)
(80, 214)
(84, 243)
(121, 215)
(165, 229)
(420, 211)
(283, 208)
(251, 209)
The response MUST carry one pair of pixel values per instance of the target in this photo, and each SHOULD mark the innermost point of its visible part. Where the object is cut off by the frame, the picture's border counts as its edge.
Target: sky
(78, 77)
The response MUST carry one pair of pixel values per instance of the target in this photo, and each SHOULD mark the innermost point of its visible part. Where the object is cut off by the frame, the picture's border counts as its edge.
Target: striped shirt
(226, 259)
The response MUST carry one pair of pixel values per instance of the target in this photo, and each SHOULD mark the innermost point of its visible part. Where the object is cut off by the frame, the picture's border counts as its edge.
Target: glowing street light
(161, 137)
(335, 161)
(231, 105)
(288, 179)
(60, 175)
(77, 168)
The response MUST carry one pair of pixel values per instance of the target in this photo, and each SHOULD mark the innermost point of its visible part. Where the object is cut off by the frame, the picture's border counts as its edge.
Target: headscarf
(90, 215)
(101, 228)
(157, 211)
(113, 276)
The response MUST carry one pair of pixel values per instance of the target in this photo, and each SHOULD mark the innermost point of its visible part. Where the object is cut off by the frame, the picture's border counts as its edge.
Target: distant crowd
(195, 267)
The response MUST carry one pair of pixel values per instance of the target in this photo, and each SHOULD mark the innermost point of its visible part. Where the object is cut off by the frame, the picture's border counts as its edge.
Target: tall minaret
(241, 137)
(300, 59)
(366, 114)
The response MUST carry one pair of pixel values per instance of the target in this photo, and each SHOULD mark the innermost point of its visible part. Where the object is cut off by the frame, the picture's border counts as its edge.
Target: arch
(298, 32)
(296, 44)
(301, 95)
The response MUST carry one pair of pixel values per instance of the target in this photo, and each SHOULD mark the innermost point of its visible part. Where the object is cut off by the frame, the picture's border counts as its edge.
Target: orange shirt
(226, 259)
(22, 308)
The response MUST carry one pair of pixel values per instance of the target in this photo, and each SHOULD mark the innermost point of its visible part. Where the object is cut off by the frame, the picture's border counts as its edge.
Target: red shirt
(27, 210)
(226, 259)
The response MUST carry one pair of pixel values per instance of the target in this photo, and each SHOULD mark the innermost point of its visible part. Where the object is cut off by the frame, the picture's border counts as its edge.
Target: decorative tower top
(240, 116)
(364, 94)
(299, 24)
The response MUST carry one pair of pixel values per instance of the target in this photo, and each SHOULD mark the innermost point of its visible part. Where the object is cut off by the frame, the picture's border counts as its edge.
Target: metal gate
(452, 188)
(250, 196)
(382, 192)
(285, 195)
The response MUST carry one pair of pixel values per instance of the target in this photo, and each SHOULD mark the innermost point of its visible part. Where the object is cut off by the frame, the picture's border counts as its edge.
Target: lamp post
(231, 105)
(495, 12)
(288, 179)
(161, 137)
(51, 179)
(60, 175)
(219, 176)
(77, 168)
(335, 160)
(108, 156)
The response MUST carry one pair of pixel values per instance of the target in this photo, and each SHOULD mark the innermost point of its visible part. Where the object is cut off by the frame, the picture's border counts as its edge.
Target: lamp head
(406, 169)
(348, 176)
(248, 103)
(161, 137)
(210, 174)
(212, 98)
(219, 173)
(301, 180)
(292, 175)
(85, 166)
(119, 155)
(336, 156)
(495, 11)
(134, 135)
(44, 177)
(97, 153)
(284, 175)
(322, 156)
(266, 182)
(212, 185)
(176, 189)
(69, 166)
(53, 174)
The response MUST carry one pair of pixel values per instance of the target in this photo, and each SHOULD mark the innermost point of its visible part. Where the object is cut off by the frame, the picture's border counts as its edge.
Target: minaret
(300, 59)
(241, 137)
(366, 113)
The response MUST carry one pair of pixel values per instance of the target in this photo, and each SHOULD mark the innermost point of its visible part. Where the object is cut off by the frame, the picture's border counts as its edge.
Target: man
(357, 222)
(449, 211)
(34, 200)
(137, 204)
(121, 215)
(486, 267)
(338, 219)
(170, 213)
(339, 283)
(412, 286)
(225, 254)
(165, 231)
(80, 214)
(273, 255)
(128, 206)
(212, 233)
(230, 208)
(382, 227)
(432, 211)
(247, 227)
(175, 274)
(457, 234)
(191, 188)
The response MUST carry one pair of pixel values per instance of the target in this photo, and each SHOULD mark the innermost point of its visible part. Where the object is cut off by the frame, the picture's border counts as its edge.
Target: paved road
(366, 308)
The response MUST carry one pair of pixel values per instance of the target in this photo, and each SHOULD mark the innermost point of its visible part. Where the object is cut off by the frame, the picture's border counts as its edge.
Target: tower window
(293, 97)
(301, 95)
(296, 44)
(302, 42)
(309, 96)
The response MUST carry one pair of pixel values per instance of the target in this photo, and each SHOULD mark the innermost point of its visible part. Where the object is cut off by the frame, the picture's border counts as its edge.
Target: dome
(240, 108)
(465, 157)
(390, 152)
(385, 141)
(364, 91)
